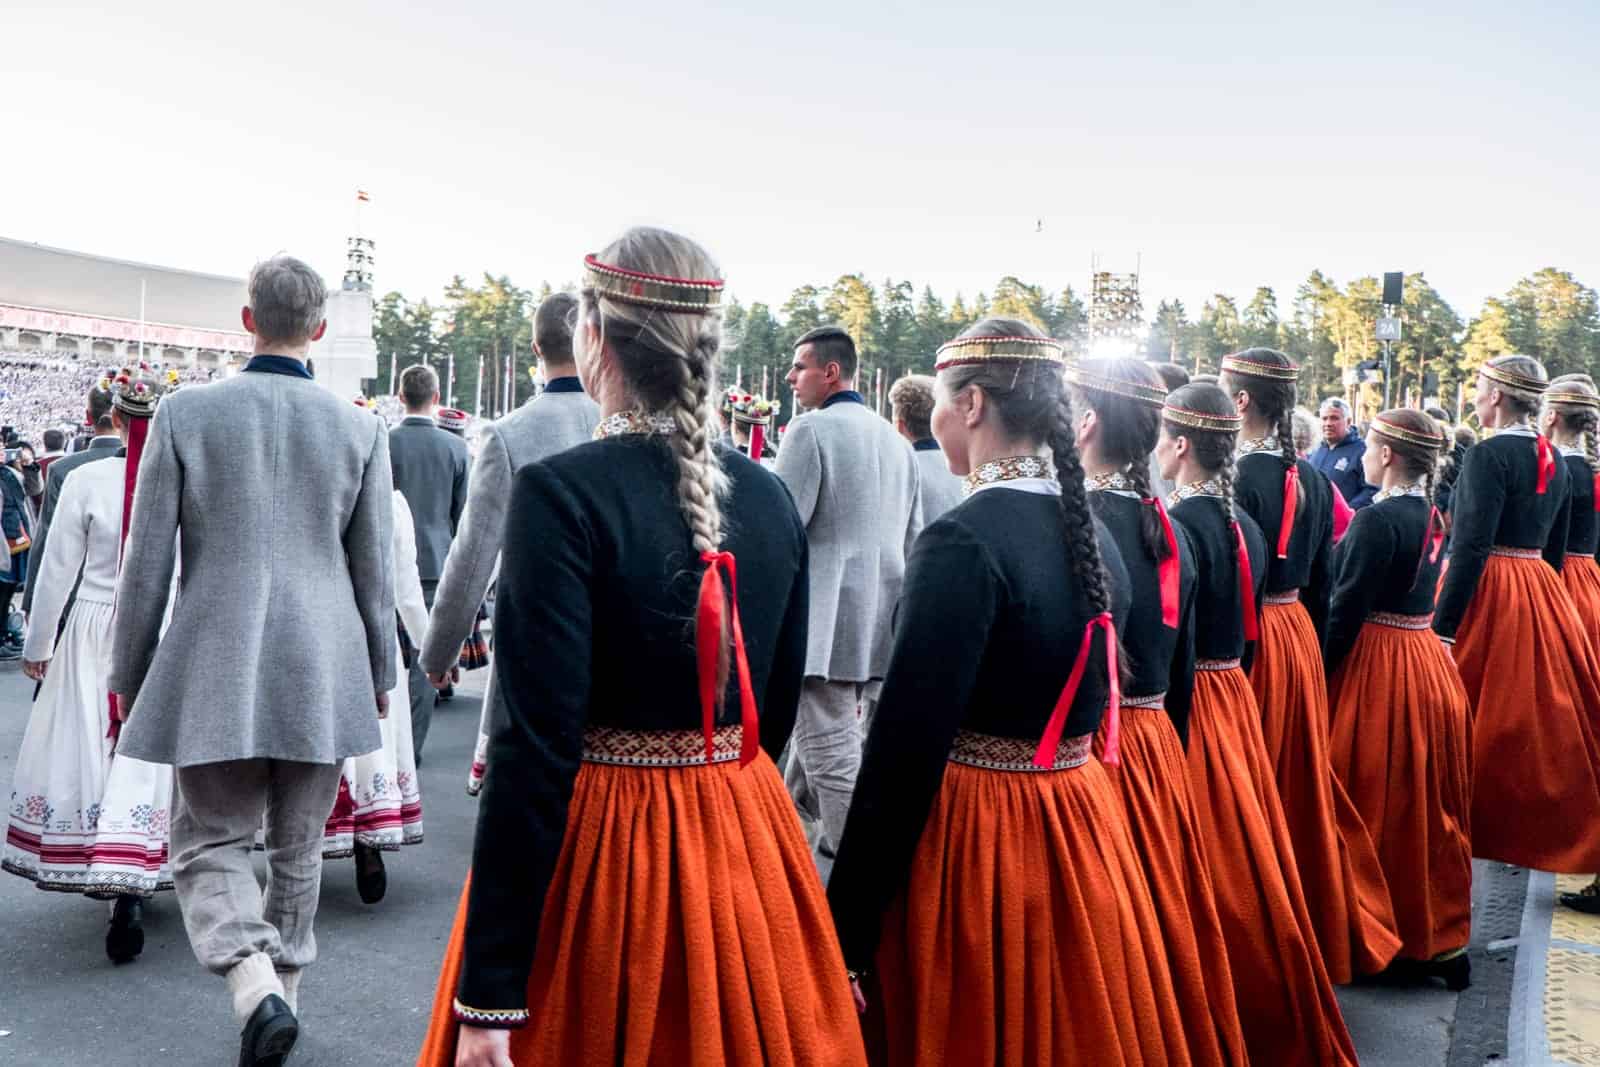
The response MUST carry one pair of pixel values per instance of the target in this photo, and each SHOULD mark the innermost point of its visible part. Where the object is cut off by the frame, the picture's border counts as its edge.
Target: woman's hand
(858, 996)
(480, 1047)
(35, 670)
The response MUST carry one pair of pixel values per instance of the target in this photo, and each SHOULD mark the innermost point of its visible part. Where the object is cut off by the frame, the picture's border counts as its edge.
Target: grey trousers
(824, 756)
(420, 689)
(218, 808)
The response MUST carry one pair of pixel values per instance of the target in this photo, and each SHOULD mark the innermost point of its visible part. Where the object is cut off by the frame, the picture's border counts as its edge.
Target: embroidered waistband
(1216, 664)
(659, 748)
(1400, 622)
(1016, 753)
(1154, 700)
(1290, 597)
(1579, 555)
(1516, 553)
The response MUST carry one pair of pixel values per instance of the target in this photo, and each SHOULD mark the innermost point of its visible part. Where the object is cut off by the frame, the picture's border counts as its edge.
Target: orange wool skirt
(1532, 678)
(1285, 999)
(1153, 782)
(1402, 746)
(1580, 575)
(685, 925)
(1025, 934)
(1338, 864)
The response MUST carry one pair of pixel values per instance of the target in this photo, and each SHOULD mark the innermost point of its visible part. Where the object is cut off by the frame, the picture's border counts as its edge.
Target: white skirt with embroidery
(81, 819)
(379, 803)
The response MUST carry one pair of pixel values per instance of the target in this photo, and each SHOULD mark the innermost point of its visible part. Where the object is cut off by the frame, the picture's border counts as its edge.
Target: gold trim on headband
(1251, 368)
(685, 295)
(1400, 433)
(1200, 420)
(1575, 399)
(1154, 395)
(966, 350)
(1512, 379)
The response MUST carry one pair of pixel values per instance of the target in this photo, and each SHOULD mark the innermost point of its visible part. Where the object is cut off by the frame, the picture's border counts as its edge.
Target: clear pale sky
(1230, 143)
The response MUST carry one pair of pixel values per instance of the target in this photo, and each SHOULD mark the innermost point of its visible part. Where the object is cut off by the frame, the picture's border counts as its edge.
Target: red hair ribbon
(1432, 543)
(1547, 464)
(708, 640)
(138, 432)
(758, 441)
(1167, 569)
(1597, 491)
(1046, 755)
(1247, 587)
(1291, 496)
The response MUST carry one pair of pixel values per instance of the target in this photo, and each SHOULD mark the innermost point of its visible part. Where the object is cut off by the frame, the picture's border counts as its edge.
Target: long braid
(1083, 548)
(1591, 439)
(1225, 481)
(1286, 445)
(699, 472)
(1151, 533)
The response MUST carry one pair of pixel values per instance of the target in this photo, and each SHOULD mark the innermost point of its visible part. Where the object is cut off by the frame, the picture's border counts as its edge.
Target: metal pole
(141, 320)
(477, 399)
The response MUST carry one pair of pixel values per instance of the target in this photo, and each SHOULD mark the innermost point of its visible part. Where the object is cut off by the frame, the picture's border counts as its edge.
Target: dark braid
(1128, 431)
(1225, 481)
(1151, 533)
(1083, 548)
(1286, 438)
(1271, 398)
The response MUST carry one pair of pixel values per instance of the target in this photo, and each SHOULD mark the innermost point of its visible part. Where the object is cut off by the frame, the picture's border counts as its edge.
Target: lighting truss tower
(1116, 315)
(358, 264)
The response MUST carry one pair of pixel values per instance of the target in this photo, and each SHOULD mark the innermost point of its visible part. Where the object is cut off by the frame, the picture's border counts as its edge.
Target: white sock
(250, 981)
(291, 989)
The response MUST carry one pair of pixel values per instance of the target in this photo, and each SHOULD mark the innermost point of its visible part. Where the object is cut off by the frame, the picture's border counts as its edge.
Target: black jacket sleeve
(1180, 676)
(1360, 567)
(1479, 500)
(1319, 588)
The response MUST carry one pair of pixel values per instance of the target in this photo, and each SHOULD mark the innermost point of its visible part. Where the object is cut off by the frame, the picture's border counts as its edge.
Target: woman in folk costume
(986, 883)
(1401, 739)
(1293, 505)
(83, 819)
(752, 420)
(641, 889)
(1530, 670)
(1119, 421)
(1285, 1000)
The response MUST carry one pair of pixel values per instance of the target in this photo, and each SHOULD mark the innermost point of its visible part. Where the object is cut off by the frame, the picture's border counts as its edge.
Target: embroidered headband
(1573, 398)
(684, 295)
(1154, 395)
(1255, 368)
(1400, 433)
(964, 351)
(1200, 420)
(1513, 379)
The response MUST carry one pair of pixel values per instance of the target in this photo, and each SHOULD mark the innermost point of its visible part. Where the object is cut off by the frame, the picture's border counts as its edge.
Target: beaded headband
(1254, 368)
(1572, 398)
(1201, 420)
(1513, 379)
(684, 295)
(967, 350)
(1400, 433)
(1154, 395)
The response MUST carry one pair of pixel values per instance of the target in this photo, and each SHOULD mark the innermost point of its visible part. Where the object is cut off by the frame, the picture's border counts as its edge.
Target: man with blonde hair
(911, 403)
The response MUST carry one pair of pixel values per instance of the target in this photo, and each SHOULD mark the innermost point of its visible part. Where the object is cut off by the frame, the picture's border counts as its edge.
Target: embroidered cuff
(492, 1018)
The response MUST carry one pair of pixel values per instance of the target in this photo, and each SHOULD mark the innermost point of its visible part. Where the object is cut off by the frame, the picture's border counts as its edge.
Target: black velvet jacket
(989, 624)
(1218, 621)
(594, 626)
(1259, 491)
(1583, 526)
(1376, 568)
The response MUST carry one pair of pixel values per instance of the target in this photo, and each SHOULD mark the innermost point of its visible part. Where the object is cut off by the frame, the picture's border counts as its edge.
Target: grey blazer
(941, 490)
(856, 485)
(430, 470)
(283, 629)
(101, 447)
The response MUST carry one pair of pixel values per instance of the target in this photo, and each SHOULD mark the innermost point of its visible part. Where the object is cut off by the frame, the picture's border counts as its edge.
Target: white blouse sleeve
(408, 599)
(55, 574)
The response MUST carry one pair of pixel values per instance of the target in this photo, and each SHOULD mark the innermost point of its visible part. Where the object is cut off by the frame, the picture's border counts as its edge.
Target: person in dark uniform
(1529, 669)
(1293, 505)
(979, 765)
(1246, 839)
(1119, 403)
(641, 889)
(1401, 738)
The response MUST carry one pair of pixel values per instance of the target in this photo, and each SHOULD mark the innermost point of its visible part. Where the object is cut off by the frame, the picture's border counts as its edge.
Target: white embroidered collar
(1521, 429)
(1573, 450)
(1269, 443)
(1210, 487)
(1009, 471)
(1115, 482)
(1413, 489)
(634, 422)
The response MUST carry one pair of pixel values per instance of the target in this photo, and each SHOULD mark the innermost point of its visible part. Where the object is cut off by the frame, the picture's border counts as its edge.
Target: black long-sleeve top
(1497, 503)
(1376, 568)
(1218, 615)
(1156, 658)
(594, 626)
(1583, 525)
(1259, 492)
(989, 624)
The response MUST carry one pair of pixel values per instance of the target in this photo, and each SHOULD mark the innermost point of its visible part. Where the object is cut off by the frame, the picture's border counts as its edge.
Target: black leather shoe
(125, 938)
(372, 881)
(270, 1034)
(1586, 900)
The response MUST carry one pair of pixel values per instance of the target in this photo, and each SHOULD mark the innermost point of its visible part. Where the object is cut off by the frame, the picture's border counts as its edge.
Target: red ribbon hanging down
(1547, 464)
(758, 441)
(1432, 543)
(1045, 756)
(1167, 569)
(1597, 491)
(138, 431)
(1247, 586)
(1291, 496)
(713, 603)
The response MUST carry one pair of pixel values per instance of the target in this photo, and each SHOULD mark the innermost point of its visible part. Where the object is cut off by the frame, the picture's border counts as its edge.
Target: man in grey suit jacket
(856, 485)
(102, 445)
(430, 470)
(911, 404)
(279, 656)
(560, 417)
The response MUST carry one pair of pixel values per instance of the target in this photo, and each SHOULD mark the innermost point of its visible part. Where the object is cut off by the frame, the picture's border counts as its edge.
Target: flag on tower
(362, 197)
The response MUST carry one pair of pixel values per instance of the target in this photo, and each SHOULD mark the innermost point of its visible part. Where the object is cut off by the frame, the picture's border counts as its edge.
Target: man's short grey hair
(287, 298)
(1337, 403)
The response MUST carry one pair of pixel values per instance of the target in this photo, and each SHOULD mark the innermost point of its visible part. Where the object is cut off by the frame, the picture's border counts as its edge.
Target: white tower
(347, 354)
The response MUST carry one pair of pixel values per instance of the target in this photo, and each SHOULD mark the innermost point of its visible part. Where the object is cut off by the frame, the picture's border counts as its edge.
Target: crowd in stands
(40, 392)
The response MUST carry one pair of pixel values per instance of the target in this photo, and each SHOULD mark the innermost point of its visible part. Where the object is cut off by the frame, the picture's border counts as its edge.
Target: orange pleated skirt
(1285, 999)
(1338, 864)
(1025, 934)
(1534, 684)
(1580, 576)
(685, 925)
(1402, 747)
(1153, 783)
